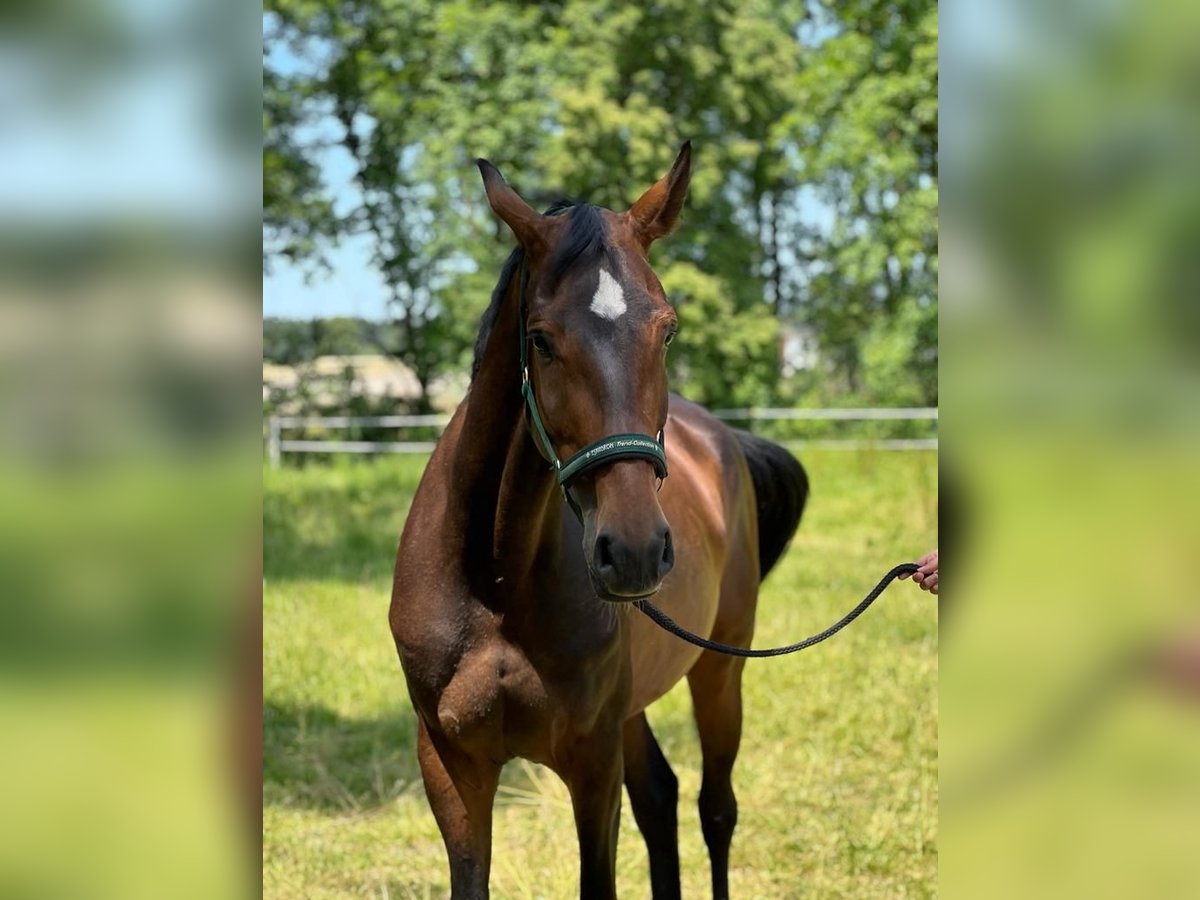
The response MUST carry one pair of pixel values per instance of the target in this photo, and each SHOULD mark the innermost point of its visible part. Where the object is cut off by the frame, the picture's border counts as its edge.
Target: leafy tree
(286, 341)
(866, 126)
(291, 341)
(798, 113)
(729, 359)
(341, 336)
(298, 217)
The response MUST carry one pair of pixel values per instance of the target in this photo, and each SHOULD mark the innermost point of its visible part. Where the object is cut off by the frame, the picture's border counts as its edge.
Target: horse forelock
(583, 244)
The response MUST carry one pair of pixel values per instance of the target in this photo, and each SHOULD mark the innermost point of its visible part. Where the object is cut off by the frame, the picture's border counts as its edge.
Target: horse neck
(503, 489)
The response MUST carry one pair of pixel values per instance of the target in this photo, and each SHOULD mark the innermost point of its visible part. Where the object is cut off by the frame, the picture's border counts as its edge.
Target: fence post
(274, 451)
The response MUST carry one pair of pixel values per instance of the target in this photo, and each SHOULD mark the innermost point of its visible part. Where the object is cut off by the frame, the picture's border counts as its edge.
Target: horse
(515, 574)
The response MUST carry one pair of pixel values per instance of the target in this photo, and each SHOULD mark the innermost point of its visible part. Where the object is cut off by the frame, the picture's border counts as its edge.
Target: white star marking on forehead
(609, 302)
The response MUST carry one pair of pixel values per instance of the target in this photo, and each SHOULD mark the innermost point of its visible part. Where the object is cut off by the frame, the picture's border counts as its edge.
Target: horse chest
(470, 700)
(500, 704)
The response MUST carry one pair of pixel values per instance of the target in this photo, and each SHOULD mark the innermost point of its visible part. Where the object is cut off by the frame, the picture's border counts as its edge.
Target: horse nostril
(604, 557)
(668, 554)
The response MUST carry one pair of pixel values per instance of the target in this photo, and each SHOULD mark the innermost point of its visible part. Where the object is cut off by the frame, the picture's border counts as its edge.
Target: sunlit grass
(836, 781)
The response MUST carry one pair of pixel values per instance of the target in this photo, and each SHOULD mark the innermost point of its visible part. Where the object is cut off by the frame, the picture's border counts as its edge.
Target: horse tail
(780, 490)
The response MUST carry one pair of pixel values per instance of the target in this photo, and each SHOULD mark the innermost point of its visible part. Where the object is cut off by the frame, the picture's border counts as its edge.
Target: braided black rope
(662, 620)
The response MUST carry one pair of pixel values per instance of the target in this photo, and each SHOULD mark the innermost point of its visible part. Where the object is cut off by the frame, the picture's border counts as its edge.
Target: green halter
(598, 453)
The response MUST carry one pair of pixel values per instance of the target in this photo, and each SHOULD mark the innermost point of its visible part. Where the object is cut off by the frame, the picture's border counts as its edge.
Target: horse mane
(583, 242)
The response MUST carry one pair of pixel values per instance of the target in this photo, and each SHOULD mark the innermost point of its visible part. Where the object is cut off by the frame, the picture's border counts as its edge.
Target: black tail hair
(780, 490)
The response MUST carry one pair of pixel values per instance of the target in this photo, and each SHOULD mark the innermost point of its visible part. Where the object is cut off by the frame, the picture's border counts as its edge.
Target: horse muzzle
(625, 570)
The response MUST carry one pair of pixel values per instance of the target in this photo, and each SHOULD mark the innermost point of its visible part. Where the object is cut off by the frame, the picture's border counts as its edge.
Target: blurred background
(129, 535)
(131, 456)
(1069, 742)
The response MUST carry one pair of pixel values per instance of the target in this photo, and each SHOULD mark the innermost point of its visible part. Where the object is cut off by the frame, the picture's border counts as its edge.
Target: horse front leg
(461, 793)
(593, 777)
(654, 796)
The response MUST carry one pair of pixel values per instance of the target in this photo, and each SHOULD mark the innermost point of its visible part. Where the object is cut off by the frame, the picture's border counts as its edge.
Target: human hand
(927, 575)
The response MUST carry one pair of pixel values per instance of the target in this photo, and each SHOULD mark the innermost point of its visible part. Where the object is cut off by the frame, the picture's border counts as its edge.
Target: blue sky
(352, 288)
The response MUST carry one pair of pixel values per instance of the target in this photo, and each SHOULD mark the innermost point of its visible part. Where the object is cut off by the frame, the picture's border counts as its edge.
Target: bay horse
(513, 583)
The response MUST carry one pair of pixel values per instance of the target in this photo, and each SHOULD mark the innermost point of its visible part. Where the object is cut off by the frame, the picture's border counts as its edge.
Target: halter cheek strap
(606, 450)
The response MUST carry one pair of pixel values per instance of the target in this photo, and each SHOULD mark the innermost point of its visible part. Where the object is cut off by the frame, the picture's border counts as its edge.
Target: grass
(837, 777)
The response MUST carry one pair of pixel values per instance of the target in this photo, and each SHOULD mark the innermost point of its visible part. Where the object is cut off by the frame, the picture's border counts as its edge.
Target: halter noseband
(598, 453)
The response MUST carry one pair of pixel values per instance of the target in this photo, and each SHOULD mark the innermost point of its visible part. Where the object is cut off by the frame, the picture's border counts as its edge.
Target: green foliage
(298, 217)
(797, 112)
(290, 341)
(896, 368)
(866, 123)
(728, 359)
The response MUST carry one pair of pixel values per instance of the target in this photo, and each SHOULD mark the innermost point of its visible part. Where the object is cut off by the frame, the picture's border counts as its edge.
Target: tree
(866, 126)
(796, 114)
(298, 218)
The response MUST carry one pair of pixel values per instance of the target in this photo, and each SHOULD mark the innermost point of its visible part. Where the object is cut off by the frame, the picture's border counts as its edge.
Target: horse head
(597, 325)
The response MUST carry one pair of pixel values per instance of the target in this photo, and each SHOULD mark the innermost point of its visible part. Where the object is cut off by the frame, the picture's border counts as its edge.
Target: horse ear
(657, 210)
(523, 219)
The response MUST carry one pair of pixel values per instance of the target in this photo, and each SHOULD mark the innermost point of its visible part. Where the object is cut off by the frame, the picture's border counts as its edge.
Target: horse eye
(540, 344)
(670, 337)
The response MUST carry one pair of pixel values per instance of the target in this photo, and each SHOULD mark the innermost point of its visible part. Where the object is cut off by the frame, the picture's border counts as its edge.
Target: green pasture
(837, 777)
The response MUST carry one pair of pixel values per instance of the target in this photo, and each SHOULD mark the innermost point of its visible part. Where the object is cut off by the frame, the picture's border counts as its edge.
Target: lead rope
(662, 620)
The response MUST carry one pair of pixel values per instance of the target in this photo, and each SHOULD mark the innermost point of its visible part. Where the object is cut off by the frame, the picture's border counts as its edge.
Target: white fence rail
(277, 445)
(764, 415)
